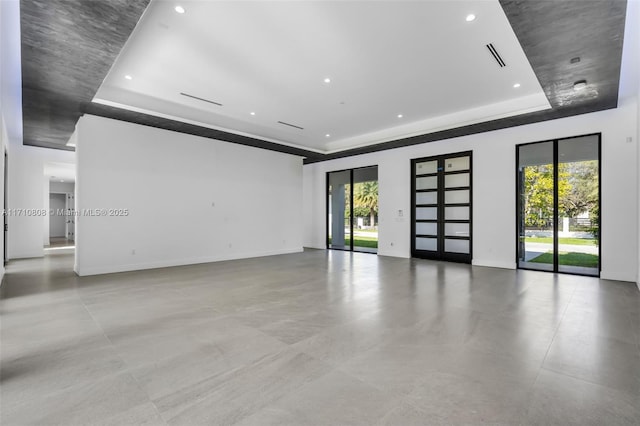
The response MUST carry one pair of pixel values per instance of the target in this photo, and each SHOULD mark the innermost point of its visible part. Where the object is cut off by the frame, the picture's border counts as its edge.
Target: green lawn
(569, 259)
(368, 242)
(572, 241)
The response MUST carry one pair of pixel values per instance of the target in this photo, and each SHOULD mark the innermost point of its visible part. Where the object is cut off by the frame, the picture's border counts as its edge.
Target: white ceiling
(421, 59)
(57, 172)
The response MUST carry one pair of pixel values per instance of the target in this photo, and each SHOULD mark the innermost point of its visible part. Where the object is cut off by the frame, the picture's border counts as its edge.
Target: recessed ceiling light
(61, 180)
(327, 135)
(252, 113)
(400, 116)
(128, 77)
(327, 80)
(580, 84)
(471, 17)
(179, 9)
(515, 86)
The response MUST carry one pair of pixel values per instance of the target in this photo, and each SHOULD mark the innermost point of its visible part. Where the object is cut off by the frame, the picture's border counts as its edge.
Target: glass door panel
(365, 209)
(456, 180)
(426, 198)
(536, 186)
(430, 182)
(456, 246)
(426, 167)
(427, 244)
(455, 197)
(578, 205)
(456, 229)
(339, 200)
(457, 206)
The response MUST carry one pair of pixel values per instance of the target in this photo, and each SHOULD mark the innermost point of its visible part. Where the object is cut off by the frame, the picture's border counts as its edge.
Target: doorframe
(555, 207)
(451, 257)
(5, 225)
(326, 213)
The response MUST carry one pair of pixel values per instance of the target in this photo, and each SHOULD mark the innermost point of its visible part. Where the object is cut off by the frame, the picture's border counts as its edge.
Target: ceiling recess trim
(200, 99)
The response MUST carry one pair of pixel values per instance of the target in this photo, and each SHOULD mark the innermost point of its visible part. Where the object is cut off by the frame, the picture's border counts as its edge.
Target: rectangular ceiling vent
(496, 55)
(200, 99)
(291, 125)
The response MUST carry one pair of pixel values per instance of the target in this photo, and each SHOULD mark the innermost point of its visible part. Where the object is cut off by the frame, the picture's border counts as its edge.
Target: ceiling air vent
(496, 55)
(291, 125)
(200, 99)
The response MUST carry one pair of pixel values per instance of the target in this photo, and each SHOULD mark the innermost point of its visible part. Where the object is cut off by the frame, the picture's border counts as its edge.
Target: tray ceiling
(400, 72)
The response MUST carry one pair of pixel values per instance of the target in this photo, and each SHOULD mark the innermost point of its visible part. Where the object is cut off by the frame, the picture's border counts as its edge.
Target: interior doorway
(57, 217)
(558, 205)
(61, 216)
(352, 210)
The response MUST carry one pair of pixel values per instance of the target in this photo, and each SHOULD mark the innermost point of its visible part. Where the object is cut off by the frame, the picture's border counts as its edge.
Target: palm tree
(365, 195)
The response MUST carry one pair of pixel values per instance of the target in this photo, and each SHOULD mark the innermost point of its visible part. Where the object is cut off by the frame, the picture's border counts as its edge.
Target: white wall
(3, 142)
(630, 82)
(61, 187)
(10, 88)
(10, 70)
(494, 189)
(190, 199)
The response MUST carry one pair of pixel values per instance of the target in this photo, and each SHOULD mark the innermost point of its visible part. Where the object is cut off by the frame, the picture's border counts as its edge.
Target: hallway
(320, 337)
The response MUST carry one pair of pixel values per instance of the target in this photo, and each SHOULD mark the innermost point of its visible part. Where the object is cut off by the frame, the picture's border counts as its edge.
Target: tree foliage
(583, 195)
(365, 200)
(577, 192)
(538, 193)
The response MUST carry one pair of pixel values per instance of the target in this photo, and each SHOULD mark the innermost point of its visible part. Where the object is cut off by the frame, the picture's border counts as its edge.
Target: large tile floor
(317, 338)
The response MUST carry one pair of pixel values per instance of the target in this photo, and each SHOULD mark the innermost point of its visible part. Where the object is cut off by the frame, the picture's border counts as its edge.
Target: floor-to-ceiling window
(558, 184)
(352, 209)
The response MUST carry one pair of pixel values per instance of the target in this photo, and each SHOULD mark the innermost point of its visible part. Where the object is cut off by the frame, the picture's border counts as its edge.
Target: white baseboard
(27, 255)
(110, 269)
(316, 245)
(615, 277)
(494, 264)
(391, 253)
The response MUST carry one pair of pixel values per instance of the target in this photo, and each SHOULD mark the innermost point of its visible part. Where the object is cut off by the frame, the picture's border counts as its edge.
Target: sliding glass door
(559, 205)
(536, 176)
(352, 210)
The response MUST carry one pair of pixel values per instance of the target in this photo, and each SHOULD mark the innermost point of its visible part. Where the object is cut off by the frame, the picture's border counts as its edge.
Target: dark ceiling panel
(68, 47)
(552, 33)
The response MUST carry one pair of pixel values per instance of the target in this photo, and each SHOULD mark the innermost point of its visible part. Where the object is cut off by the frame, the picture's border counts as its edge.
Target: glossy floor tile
(316, 338)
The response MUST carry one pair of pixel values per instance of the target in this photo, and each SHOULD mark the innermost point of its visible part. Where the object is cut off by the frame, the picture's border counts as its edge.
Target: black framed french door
(352, 209)
(441, 207)
(558, 205)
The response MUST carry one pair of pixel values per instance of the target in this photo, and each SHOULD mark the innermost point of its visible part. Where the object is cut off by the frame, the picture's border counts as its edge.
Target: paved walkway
(533, 250)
